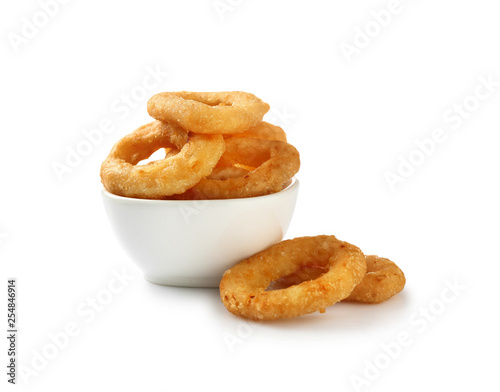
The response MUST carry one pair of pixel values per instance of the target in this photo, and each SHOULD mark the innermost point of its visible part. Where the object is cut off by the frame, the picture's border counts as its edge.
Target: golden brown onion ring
(275, 163)
(383, 280)
(243, 287)
(209, 112)
(265, 131)
(197, 156)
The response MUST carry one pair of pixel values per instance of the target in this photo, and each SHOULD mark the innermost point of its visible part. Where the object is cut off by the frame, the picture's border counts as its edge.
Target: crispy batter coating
(224, 112)
(230, 171)
(192, 157)
(230, 166)
(193, 128)
(265, 131)
(383, 280)
(243, 288)
(275, 163)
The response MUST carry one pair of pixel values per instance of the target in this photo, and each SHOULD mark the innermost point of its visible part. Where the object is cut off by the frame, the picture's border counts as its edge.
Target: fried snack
(275, 163)
(265, 131)
(243, 287)
(217, 112)
(229, 166)
(196, 157)
(383, 279)
(305, 272)
(226, 172)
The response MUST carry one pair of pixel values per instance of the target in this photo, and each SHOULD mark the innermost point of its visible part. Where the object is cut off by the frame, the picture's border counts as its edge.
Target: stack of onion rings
(304, 275)
(257, 159)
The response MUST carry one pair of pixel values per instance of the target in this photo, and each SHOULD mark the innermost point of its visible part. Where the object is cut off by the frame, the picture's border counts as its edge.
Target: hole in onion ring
(303, 273)
(158, 155)
(155, 156)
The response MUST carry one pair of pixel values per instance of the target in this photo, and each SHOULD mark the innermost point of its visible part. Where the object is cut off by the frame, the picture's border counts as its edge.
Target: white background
(351, 117)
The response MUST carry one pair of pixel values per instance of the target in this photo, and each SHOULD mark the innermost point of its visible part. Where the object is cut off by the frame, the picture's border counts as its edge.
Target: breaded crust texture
(383, 280)
(275, 163)
(223, 112)
(243, 287)
(197, 156)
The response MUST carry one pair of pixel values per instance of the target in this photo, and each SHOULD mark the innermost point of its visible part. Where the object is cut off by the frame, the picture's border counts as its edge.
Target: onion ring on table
(309, 271)
(275, 163)
(243, 287)
(204, 112)
(263, 130)
(383, 279)
(197, 156)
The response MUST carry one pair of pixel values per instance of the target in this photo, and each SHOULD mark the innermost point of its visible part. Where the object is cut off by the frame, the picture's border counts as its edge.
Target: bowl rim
(123, 199)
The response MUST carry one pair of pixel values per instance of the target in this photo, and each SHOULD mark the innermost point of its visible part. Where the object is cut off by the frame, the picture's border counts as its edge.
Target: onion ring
(383, 279)
(275, 163)
(226, 172)
(265, 131)
(174, 174)
(229, 166)
(243, 287)
(231, 163)
(216, 112)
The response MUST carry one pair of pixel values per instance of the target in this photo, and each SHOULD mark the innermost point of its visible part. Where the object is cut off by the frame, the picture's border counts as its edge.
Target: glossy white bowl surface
(192, 242)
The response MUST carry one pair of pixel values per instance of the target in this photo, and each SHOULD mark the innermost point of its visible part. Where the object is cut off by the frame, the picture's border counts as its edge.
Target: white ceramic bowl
(192, 242)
